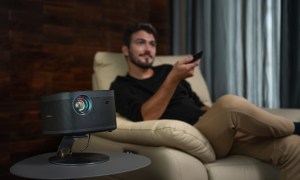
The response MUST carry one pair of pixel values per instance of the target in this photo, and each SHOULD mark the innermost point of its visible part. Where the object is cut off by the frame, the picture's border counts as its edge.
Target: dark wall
(47, 46)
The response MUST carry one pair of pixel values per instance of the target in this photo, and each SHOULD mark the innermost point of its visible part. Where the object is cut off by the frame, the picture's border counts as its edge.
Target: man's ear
(125, 50)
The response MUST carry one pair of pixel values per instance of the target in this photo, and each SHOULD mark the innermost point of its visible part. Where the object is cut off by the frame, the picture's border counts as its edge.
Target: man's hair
(140, 26)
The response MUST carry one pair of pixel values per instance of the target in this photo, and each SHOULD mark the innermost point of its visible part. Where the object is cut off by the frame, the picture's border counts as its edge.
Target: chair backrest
(109, 65)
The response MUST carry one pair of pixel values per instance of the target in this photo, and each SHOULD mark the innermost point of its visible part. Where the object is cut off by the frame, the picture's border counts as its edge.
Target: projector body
(78, 113)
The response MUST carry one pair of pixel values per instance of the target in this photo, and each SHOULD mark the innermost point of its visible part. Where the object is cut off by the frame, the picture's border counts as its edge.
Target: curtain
(241, 40)
(290, 56)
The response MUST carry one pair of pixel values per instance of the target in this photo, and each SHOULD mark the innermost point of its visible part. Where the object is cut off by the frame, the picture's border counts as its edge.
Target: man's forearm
(154, 107)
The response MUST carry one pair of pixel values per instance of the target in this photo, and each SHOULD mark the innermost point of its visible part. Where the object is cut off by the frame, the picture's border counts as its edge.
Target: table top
(38, 167)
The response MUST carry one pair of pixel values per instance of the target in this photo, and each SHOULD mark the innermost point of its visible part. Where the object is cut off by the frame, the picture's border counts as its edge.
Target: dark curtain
(290, 54)
(241, 42)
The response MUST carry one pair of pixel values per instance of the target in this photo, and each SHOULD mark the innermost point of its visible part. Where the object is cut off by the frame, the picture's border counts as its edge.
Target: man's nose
(148, 47)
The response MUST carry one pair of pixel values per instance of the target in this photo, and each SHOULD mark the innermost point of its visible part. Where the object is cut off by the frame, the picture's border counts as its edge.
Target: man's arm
(154, 107)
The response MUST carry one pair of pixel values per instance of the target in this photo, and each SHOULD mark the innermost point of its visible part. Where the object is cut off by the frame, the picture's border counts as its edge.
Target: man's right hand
(182, 69)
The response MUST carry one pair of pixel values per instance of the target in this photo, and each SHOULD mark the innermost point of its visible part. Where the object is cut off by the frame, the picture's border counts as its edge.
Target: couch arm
(166, 163)
(291, 114)
(170, 133)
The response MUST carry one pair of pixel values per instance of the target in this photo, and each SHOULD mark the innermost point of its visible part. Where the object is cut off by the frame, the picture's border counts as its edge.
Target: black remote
(197, 56)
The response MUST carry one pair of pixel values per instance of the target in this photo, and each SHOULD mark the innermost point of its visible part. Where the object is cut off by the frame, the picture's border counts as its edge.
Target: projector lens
(82, 104)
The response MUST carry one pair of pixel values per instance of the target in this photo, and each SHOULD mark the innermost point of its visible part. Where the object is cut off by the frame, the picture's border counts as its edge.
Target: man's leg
(284, 152)
(231, 114)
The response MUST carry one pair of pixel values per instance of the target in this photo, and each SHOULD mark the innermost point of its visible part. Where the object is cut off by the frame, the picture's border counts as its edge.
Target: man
(232, 125)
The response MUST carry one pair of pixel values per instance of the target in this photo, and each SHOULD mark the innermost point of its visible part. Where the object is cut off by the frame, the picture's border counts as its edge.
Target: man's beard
(143, 65)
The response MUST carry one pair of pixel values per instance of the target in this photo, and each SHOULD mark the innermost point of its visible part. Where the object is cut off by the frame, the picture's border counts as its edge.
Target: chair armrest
(170, 133)
(291, 114)
(166, 163)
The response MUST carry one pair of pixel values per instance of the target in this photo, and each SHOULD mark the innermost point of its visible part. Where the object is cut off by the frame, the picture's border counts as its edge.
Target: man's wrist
(173, 79)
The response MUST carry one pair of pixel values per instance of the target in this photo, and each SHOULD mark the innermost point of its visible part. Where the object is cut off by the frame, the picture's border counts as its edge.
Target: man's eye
(139, 42)
(153, 44)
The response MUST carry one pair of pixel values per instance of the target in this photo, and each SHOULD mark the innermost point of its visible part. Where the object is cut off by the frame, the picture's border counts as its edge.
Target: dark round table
(39, 167)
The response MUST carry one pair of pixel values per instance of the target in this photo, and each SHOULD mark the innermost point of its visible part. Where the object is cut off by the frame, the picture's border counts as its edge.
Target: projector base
(65, 156)
(75, 159)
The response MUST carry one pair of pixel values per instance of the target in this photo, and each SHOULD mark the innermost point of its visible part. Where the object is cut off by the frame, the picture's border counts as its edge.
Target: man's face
(142, 49)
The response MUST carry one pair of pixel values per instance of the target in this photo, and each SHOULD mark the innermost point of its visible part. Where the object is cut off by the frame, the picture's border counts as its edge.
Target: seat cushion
(241, 167)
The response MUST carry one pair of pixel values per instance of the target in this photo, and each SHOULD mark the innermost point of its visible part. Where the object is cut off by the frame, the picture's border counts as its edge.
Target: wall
(47, 46)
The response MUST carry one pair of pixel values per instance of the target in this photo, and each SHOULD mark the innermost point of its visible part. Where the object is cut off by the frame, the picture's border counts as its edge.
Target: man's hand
(182, 69)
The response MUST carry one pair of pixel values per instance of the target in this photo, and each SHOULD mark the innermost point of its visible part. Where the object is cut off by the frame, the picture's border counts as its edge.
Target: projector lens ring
(82, 104)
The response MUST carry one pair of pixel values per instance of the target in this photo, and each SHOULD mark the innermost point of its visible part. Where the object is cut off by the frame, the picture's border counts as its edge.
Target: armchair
(177, 150)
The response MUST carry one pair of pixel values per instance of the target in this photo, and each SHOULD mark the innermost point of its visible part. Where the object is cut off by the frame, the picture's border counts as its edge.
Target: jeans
(235, 126)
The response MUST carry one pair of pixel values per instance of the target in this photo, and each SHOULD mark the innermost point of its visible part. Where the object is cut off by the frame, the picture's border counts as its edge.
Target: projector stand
(65, 156)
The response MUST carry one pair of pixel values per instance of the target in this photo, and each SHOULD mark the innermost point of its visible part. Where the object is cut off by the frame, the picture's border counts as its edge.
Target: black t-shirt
(131, 93)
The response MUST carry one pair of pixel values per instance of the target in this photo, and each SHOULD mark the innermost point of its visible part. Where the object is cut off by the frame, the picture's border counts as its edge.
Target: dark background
(48, 46)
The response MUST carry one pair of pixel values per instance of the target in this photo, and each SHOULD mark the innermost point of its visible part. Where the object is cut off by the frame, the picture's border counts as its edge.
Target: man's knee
(231, 101)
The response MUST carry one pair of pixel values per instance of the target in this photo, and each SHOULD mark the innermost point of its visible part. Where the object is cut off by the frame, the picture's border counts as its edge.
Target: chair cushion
(170, 133)
(241, 167)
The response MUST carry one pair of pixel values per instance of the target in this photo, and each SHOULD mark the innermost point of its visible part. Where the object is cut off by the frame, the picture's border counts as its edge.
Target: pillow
(171, 133)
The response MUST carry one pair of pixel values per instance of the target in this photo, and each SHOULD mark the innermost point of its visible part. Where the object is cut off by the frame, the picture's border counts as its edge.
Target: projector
(78, 113)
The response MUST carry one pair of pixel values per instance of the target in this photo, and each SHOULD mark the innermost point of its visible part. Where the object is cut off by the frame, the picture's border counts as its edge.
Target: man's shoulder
(120, 81)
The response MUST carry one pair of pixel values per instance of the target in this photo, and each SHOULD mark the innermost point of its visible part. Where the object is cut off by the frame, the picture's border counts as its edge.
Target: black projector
(78, 113)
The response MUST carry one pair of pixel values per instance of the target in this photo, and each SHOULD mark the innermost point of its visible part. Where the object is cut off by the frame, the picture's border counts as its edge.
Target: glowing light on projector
(82, 104)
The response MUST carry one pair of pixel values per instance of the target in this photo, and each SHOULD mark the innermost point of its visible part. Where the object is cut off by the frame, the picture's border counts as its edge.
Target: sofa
(177, 150)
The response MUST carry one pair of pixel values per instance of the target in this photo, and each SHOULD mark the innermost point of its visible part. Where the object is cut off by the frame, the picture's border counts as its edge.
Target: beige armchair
(177, 150)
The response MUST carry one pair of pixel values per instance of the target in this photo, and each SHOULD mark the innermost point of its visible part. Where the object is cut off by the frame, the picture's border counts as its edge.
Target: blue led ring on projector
(82, 104)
